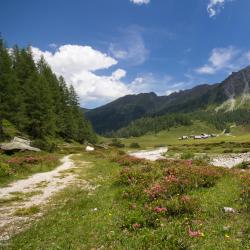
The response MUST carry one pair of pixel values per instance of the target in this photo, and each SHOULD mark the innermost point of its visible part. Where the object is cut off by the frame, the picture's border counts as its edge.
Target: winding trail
(36, 190)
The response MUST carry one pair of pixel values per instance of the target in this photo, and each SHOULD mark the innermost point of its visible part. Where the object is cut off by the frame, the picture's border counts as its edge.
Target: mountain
(230, 94)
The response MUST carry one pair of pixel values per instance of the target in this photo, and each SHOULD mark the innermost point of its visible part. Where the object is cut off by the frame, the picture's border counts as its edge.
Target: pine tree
(36, 101)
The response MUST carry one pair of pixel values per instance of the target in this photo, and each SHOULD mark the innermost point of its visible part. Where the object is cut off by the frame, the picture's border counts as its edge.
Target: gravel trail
(35, 191)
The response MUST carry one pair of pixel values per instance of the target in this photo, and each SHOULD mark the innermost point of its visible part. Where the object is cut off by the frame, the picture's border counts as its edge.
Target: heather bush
(5, 169)
(160, 189)
(245, 191)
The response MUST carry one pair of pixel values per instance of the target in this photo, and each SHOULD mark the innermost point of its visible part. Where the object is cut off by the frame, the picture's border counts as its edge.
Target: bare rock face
(18, 144)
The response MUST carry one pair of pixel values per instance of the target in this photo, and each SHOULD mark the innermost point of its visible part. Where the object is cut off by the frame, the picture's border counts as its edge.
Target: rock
(229, 210)
(18, 144)
(88, 149)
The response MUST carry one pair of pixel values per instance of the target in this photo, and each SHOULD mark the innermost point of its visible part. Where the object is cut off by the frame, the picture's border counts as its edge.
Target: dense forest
(155, 124)
(36, 101)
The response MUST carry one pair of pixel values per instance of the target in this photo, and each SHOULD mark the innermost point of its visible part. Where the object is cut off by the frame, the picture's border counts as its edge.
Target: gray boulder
(18, 144)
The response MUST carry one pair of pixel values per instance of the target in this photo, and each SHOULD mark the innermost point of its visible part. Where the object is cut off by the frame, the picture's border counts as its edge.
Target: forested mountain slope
(231, 94)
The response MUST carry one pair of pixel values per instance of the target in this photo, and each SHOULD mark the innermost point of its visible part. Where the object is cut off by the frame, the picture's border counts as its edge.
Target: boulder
(229, 210)
(89, 148)
(18, 144)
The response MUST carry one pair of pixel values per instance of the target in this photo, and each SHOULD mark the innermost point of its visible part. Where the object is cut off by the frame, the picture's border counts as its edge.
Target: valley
(140, 172)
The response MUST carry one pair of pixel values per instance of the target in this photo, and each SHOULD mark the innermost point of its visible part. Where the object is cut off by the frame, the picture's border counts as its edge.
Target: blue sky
(110, 48)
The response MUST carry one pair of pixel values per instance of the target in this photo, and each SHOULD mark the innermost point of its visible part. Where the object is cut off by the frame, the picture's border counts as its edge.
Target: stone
(229, 210)
(89, 148)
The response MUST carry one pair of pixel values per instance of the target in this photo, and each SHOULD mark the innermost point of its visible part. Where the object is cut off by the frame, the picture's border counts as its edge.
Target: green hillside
(230, 95)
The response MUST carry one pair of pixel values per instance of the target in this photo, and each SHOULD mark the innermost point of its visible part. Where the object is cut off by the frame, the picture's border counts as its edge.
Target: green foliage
(134, 145)
(159, 190)
(45, 145)
(22, 164)
(243, 165)
(117, 143)
(5, 169)
(153, 124)
(36, 102)
(187, 155)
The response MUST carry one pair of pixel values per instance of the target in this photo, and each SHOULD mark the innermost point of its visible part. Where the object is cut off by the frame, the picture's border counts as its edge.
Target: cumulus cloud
(215, 6)
(161, 85)
(130, 47)
(140, 2)
(78, 65)
(220, 58)
(53, 45)
(229, 59)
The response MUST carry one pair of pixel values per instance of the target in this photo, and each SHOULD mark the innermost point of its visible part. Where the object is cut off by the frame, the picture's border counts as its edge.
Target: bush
(134, 145)
(245, 191)
(159, 145)
(45, 145)
(187, 155)
(243, 165)
(5, 169)
(116, 143)
(180, 205)
(228, 151)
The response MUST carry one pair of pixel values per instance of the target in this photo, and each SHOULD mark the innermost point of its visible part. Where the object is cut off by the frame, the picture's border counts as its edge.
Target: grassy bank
(23, 164)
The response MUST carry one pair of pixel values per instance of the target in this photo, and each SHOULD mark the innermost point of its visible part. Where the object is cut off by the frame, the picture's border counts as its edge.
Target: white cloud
(77, 64)
(161, 85)
(220, 58)
(140, 2)
(215, 6)
(130, 47)
(53, 45)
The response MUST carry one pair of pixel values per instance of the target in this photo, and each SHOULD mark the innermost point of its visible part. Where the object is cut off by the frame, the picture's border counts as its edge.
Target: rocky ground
(151, 155)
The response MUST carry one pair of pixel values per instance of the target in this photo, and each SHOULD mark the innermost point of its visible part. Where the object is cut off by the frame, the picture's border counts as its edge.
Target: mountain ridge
(120, 112)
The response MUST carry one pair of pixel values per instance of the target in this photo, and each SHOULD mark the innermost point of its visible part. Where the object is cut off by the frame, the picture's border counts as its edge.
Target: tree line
(154, 124)
(36, 101)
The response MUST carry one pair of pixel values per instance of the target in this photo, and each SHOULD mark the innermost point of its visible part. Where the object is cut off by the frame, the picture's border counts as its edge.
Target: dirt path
(32, 193)
(151, 155)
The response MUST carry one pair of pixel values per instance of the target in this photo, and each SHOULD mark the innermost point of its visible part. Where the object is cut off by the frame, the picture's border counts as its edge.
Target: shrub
(160, 189)
(245, 191)
(117, 143)
(187, 155)
(180, 205)
(45, 145)
(126, 160)
(5, 169)
(134, 145)
(159, 145)
(243, 165)
(228, 151)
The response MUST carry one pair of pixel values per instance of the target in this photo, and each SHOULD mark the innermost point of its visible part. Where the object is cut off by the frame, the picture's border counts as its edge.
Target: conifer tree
(36, 101)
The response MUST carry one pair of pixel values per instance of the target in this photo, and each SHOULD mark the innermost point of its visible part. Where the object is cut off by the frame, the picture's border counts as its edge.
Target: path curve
(36, 190)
